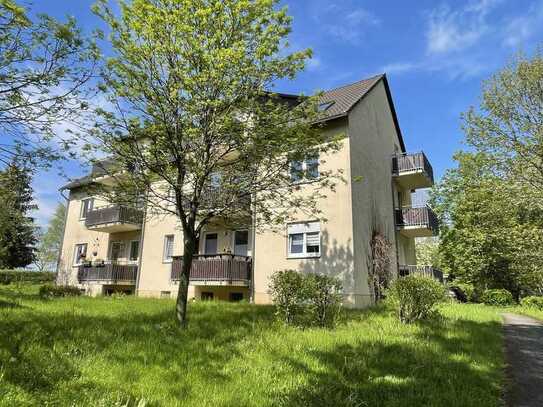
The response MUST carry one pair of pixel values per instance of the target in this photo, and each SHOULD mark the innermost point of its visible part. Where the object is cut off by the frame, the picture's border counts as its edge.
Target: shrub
(311, 299)
(288, 293)
(499, 297)
(532, 302)
(415, 297)
(24, 276)
(50, 291)
(324, 298)
(464, 292)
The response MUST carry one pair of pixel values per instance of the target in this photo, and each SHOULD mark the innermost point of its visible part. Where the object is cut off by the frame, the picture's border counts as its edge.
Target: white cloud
(519, 29)
(343, 21)
(400, 67)
(452, 30)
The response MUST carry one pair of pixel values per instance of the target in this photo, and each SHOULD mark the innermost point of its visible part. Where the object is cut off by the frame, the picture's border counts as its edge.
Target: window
(206, 295)
(80, 253)
(215, 180)
(304, 240)
(165, 294)
(306, 169)
(86, 206)
(134, 250)
(168, 247)
(241, 242)
(210, 246)
(324, 106)
(236, 297)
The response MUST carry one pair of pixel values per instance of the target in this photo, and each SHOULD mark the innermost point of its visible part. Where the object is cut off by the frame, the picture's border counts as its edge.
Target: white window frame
(303, 228)
(90, 208)
(234, 240)
(303, 170)
(205, 239)
(76, 258)
(122, 251)
(165, 258)
(130, 251)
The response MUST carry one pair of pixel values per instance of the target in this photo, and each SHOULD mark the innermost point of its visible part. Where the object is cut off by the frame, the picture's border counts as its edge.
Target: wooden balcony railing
(422, 217)
(426, 271)
(215, 267)
(405, 163)
(110, 272)
(113, 214)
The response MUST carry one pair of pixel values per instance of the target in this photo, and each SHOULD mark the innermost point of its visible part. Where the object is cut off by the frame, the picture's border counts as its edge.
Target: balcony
(108, 273)
(425, 271)
(215, 269)
(113, 219)
(417, 222)
(412, 171)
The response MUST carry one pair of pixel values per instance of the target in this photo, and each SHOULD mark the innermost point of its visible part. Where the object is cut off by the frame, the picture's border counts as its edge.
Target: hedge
(24, 276)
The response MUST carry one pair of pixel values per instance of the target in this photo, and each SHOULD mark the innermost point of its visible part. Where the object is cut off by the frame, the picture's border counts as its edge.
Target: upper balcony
(215, 269)
(412, 171)
(113, 219)
(417, 222)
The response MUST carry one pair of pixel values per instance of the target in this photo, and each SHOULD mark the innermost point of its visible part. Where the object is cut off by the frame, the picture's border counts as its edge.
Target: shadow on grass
(39, 351)
(434, 368)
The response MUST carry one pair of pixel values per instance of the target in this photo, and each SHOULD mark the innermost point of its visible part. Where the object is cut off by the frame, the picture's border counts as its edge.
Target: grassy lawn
(530, 312)
(106, 351)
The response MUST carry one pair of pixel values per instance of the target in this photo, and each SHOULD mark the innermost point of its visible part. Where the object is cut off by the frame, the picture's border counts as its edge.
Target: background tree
(196, 132)
(44, 65)
(17, 229)
(427, 251)
(491, 203)
(49, 241)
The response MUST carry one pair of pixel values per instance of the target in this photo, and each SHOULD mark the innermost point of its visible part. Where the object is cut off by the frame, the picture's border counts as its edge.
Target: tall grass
(106, 351)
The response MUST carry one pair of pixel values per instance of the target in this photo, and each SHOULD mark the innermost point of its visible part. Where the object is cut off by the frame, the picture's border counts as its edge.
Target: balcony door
(117, 251)
(211, 244)
(241, 242)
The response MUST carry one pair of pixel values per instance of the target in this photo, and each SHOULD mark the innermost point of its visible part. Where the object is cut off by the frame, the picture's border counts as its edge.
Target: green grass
(106, 351)
(528, 311)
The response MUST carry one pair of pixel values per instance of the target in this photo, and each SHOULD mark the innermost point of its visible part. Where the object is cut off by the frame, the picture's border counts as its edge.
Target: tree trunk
(189, 248)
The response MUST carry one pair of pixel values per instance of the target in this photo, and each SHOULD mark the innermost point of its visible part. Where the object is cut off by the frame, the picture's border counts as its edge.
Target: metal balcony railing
(108, 271)
(407, 163)
(413, 217)
(215, 267)
(113, 214)
(426, 271)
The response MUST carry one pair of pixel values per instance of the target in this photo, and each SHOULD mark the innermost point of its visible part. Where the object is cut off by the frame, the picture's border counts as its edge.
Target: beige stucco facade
(365, 203)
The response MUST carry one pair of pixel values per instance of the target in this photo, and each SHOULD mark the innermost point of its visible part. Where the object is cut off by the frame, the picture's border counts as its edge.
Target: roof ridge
(357, 82)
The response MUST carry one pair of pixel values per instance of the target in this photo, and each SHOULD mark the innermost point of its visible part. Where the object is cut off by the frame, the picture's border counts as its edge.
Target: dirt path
(524, 354)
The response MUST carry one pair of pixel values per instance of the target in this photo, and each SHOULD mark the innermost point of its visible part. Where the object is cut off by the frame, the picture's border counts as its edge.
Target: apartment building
(108, 248)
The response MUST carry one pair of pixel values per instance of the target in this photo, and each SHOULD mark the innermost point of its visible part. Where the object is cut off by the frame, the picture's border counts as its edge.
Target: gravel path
(524, 355)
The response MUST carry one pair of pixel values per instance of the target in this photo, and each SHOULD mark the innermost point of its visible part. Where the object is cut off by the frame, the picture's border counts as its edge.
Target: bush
(464, 292)
(532, 302)
(499, 297)
(24, 276)
(301, 299)
(415, 297)
(324, 297)
(288, 294)
(50, 291)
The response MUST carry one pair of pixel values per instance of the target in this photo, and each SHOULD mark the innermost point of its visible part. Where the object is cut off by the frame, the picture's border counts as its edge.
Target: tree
(17, 230)
(50, 241)
(196, 130)
(44, 65)
(427, 251)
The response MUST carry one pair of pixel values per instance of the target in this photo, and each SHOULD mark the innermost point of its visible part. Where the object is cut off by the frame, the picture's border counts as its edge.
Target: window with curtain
(86, 206)
(306, 169)
(304, 239)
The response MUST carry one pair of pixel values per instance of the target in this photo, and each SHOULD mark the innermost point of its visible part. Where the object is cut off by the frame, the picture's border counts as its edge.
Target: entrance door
(211, 243)
(241, 242)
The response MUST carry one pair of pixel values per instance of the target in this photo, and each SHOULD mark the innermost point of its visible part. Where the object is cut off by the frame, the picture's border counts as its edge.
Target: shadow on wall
(335, 261)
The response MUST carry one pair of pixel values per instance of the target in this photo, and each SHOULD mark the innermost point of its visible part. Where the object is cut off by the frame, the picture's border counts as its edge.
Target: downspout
(140, 251)
(67, 199)
(394, 215)
(253, 262)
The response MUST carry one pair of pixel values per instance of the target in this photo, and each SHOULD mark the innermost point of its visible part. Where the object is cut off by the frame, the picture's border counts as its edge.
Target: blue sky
(435, 54)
